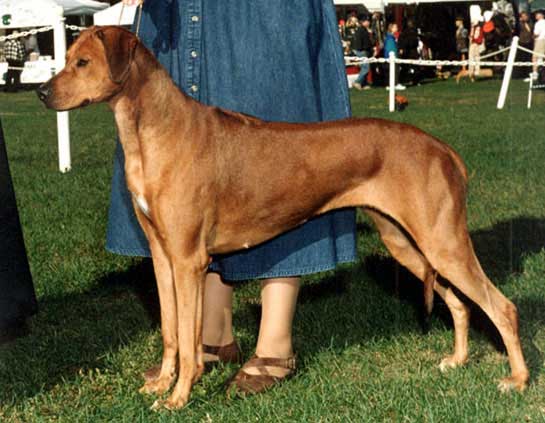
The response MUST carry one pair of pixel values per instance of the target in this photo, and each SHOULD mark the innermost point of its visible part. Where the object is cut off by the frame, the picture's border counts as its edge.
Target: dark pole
(17, 298)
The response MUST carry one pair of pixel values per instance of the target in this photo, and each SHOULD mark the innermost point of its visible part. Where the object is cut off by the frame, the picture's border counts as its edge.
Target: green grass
(358, 331)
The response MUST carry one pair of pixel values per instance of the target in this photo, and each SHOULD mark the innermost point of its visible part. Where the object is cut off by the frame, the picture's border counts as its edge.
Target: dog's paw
(512, 383)
(169, 404)
(451, 362)
(157, 386)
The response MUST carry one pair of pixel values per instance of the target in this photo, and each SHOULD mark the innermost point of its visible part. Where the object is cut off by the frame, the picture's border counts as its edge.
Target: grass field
(363, 353)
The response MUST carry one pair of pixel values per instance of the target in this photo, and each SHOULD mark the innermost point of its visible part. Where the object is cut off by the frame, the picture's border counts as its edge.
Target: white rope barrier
(35, 31)
(494, 53)
(527, 50)
(353, 60)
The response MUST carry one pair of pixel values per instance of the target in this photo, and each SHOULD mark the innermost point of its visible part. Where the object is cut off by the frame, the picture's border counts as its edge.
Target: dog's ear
(119, 46)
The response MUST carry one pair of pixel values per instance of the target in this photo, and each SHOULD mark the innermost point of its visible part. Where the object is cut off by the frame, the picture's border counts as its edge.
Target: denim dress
(275, 59)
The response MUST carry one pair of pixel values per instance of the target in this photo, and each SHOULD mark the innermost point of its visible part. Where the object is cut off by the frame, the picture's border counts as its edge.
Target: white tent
(81, 7)
(111, 15)
(370, 5)
(40, 13)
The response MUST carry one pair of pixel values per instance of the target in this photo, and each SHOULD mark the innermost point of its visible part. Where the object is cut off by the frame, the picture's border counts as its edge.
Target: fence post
(63, 123)
(392, 92)
(508, 72)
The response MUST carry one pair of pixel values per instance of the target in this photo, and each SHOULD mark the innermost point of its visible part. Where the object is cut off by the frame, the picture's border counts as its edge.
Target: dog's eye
(81, 63)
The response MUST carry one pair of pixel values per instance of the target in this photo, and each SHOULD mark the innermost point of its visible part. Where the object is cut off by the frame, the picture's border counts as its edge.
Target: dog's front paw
(509, 384)
(169, 404)
(451, 362)
(157, 386)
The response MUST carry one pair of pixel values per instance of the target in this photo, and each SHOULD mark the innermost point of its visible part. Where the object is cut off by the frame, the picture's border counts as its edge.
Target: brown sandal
(229, 353)
(245, 383)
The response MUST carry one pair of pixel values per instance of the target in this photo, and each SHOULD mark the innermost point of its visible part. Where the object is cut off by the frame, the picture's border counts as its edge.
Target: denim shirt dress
(275, 59)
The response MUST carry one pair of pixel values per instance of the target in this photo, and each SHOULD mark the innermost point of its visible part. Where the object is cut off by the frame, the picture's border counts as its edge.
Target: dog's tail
(429, 283)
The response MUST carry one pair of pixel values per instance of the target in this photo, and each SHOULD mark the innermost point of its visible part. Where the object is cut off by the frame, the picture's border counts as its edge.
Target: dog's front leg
(167, 299)
(189, 276)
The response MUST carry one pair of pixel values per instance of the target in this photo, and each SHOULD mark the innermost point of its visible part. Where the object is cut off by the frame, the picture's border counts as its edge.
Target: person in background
(14, 52)
(31, 44)
(526, 40)
(539, 43)
(462, 41)
(476, 40)
(205, 47)
(390, 46)
(362, 46)
(408, 49)
(462, 35)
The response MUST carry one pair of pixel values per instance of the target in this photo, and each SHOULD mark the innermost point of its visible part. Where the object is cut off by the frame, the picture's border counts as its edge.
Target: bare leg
(279, 299)
(217, 313)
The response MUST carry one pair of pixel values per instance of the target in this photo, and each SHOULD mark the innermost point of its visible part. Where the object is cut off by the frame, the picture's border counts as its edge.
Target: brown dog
(207, 181)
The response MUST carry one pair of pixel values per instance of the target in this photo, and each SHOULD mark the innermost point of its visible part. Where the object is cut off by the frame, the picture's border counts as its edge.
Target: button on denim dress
(279, 60)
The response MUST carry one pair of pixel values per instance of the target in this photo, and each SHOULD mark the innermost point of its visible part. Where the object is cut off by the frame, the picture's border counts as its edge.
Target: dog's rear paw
(157, 386)
(451, 362)
(513, 383)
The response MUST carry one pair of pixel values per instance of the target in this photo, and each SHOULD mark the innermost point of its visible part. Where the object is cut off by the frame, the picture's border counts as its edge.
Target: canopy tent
(81, 7)
(43, 13)
(370, 5)
(111, 15)
(30, 13)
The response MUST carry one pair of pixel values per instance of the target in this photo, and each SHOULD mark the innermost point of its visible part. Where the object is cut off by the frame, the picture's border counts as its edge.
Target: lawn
(365, 352)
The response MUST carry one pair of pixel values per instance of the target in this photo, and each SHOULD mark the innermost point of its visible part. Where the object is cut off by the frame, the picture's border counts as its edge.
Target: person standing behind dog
(539, 42)
(362, 46)
(526, 40)
(461, 39)
(390, 46)
(215, 55)
(14, 52)
(476, 40)
(408, 49)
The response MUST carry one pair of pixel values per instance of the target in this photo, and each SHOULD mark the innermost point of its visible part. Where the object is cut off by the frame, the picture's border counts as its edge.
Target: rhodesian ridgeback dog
(209, 181)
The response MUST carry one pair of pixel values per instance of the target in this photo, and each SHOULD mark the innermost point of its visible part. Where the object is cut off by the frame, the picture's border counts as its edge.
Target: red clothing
(488, 26)
(476, 35)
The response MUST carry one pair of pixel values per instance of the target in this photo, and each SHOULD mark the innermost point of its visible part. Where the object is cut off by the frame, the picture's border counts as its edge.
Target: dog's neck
(148, 93)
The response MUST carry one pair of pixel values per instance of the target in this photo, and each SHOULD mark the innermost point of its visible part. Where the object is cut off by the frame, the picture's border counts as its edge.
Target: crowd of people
(371, 36)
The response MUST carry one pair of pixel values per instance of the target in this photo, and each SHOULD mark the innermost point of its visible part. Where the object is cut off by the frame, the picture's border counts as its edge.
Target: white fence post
(63, 123)
(392, 92)
(508, 72)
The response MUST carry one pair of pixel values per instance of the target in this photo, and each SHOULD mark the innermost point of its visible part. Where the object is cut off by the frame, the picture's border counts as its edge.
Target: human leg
(274, 358)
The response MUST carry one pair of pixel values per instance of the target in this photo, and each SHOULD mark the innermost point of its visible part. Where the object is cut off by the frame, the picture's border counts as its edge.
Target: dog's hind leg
(460, 318)
(454, 258)
(404, 251)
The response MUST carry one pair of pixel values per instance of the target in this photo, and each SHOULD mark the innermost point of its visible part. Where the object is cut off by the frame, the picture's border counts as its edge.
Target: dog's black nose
(43, 91)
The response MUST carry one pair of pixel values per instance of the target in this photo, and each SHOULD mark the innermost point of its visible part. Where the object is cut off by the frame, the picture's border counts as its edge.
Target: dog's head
(97, 66)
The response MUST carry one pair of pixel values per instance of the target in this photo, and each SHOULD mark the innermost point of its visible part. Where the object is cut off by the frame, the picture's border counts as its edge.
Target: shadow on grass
(78, 331)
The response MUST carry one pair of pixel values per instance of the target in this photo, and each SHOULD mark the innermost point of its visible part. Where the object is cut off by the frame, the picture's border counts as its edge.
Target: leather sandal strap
(261, 362)
(229, 353)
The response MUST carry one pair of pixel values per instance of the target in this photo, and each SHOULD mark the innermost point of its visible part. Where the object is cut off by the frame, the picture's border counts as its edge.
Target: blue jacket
(390, 44)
